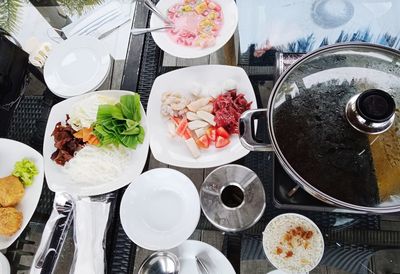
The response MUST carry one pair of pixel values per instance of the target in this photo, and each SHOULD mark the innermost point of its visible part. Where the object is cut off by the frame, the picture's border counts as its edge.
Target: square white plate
(59, 181)
(173, 151)
(11, 152)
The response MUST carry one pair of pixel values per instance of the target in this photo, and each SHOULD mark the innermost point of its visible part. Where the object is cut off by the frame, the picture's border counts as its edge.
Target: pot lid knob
(371, 112)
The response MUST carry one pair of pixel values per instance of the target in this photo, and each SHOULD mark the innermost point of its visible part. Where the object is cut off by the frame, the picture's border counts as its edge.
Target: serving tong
(57, 227)
(150, 5)
(54, 233)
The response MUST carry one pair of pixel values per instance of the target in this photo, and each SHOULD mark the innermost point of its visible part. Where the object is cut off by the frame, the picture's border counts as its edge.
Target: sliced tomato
(211, 133)
(203, 142)
(222, 132)
(222, 142)
(182, 127)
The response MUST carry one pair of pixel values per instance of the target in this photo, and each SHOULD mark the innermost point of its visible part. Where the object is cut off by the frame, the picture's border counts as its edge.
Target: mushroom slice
(193, 125)
(206, 116)
(196, 105)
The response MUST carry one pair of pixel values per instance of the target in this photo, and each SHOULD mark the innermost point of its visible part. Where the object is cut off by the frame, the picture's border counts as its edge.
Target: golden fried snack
(10, 221)
(11, 191)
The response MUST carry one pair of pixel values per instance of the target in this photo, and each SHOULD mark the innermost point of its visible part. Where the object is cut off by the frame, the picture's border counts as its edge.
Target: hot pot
(333, 120)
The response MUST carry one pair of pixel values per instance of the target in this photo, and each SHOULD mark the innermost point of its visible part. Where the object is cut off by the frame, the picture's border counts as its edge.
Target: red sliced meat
(227, 109)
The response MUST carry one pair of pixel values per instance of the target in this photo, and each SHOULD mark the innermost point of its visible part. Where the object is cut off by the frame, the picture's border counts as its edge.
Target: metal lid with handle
(334, 124)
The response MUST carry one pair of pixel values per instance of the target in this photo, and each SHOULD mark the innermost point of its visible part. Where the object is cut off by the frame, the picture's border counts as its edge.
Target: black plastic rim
(375, 105)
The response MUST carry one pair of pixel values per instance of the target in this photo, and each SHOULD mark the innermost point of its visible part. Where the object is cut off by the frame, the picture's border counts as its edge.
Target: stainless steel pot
(334, 124)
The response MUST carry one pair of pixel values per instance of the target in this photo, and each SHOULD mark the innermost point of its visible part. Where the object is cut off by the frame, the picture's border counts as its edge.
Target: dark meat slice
(73, 146)
(65, 142)
(61, 157)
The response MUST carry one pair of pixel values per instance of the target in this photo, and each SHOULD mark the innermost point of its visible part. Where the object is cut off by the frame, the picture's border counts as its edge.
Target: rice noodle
(94, 165)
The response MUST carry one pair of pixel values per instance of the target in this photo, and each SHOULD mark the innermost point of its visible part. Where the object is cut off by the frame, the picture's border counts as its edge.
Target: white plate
(4, 265)
(173, 151)
(277, 271)
(160, 209)
(63, 95)
(59, 181)
(230, 13)
(76, 66)
(11, 152)
(214, 260)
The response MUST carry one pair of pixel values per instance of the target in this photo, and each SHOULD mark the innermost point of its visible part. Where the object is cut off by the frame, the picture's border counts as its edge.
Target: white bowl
(319, 240)
(160, 209)
(230, 13)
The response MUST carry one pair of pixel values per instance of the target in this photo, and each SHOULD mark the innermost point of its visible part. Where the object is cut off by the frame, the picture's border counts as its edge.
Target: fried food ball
(11, 191)
(10, 221)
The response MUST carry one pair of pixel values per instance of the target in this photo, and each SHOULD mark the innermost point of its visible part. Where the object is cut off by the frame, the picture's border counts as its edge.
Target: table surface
(355, 243)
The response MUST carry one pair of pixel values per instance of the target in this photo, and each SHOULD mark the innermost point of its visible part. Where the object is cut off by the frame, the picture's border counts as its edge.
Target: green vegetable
(120, 124)
(25, 170)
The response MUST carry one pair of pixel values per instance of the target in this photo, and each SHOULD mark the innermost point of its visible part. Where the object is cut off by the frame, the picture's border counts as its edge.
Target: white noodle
(94, 165)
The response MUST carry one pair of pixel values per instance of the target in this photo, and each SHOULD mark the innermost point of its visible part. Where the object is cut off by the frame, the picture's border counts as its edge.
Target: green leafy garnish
(25, 170)
(120, 123)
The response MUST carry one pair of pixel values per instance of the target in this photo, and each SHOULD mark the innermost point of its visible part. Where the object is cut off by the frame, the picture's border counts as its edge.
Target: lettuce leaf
(130, 106)
(119, 124)
(26, 171)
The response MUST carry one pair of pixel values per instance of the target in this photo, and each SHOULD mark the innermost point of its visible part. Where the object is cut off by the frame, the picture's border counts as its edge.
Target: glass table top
(355, 243)
(303, 26)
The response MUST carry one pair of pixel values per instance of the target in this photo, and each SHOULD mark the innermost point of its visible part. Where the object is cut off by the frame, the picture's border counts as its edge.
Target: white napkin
(90, 228)
(98, 21)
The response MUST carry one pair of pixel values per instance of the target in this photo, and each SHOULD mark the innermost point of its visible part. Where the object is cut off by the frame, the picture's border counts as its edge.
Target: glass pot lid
(335, 123)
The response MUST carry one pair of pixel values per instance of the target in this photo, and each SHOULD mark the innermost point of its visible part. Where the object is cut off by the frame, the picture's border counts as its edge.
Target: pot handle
(247, 134)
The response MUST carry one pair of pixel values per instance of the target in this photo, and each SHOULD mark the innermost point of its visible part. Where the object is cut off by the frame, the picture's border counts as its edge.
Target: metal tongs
(55, 233)
(150, 5)
(92, 212)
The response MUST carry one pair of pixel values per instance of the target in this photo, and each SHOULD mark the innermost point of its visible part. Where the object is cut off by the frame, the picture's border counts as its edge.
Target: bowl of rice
(293, 243)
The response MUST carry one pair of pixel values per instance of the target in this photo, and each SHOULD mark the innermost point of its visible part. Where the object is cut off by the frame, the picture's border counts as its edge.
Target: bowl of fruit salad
(201, 27)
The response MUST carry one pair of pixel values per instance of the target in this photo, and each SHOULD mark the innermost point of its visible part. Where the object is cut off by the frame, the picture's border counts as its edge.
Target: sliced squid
(199, 103)
(193, 125)
(208, 108)
(206, 116)
(191, 116)
(191, 144)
